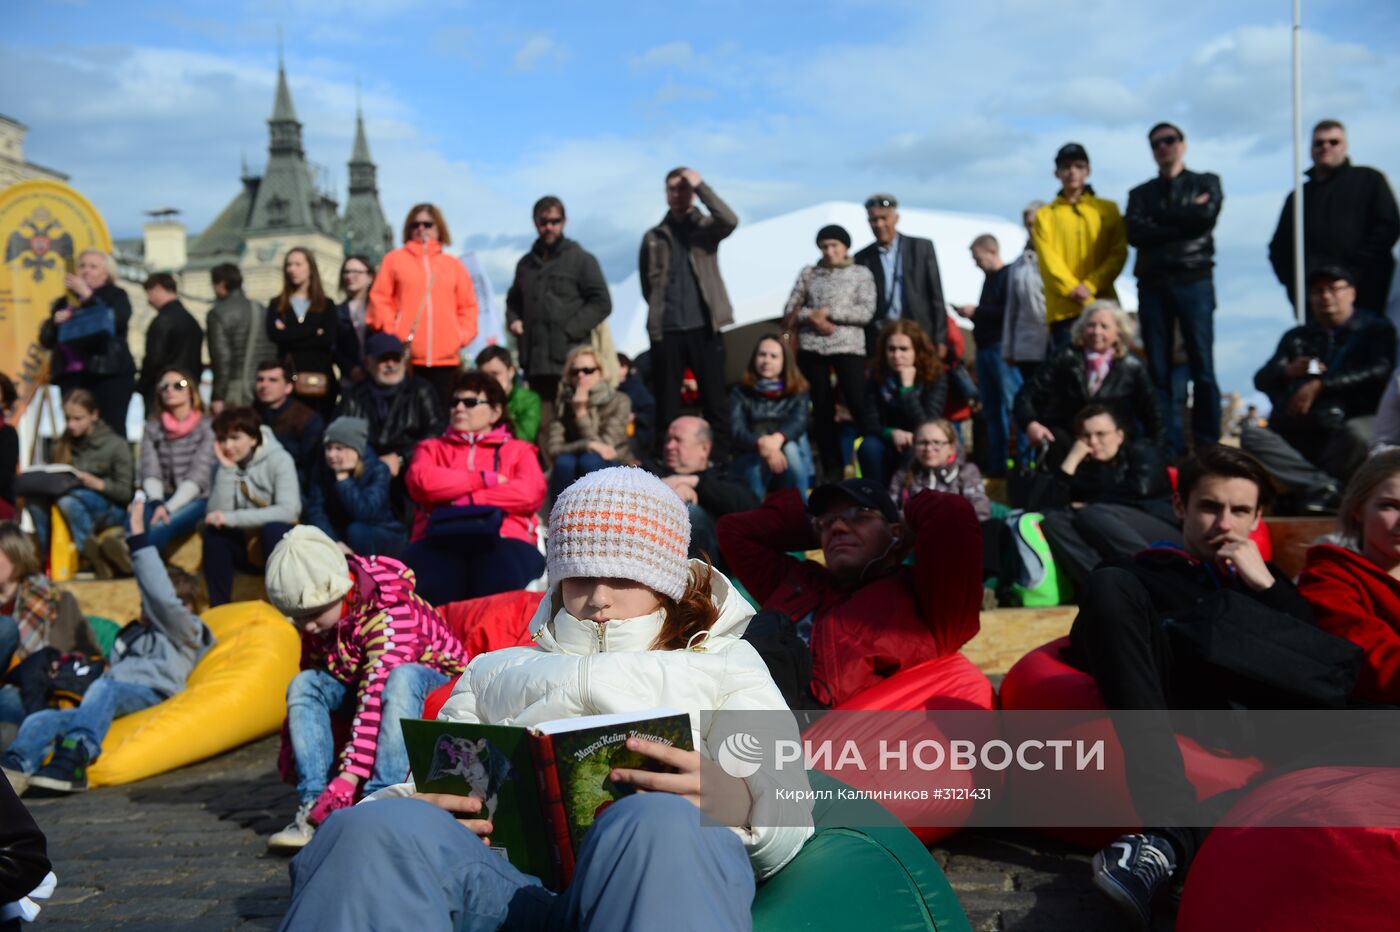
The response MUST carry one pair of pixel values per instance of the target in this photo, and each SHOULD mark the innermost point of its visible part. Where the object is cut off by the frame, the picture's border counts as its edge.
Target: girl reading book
(630, 625)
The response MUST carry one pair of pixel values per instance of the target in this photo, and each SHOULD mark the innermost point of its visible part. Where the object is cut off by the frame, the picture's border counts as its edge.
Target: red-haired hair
(927, 365)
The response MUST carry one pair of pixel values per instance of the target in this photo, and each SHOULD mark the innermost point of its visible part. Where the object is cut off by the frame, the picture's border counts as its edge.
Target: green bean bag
(861, 870)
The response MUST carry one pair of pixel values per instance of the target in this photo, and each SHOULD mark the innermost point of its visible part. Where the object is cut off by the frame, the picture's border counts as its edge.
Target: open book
(541, 787)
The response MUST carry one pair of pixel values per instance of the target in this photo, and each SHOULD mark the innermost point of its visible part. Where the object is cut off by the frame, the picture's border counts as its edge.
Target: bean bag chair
(493, 621)
(236, 694)
(1044, 681)
(950, 683)
(1336, 864)
(860, 870)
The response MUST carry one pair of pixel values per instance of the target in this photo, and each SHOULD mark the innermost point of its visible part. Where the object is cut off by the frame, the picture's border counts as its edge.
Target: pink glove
(340, 794)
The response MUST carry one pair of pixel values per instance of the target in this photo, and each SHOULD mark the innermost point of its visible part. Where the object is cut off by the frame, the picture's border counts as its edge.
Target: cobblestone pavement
(187, 851)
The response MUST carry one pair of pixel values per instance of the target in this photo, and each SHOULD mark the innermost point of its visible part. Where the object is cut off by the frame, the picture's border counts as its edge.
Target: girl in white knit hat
(630, 625)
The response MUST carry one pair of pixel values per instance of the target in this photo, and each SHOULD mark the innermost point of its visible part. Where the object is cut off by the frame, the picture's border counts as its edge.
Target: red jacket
(478, 469)
(865, 634)
(445, 316)
(1355, 599)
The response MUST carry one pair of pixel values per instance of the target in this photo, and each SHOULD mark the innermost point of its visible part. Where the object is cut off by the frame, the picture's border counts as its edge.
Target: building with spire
(364, 230)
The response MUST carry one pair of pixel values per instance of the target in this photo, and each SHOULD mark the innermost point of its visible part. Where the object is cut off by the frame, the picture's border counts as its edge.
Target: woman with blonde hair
(87, 332)
(1354, 588)
(425, 297)
(589, 430)
(177, 461)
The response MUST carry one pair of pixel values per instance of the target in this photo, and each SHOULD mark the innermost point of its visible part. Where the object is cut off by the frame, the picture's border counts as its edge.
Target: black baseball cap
(1071, 152)
(1331, 271)
(864, 492)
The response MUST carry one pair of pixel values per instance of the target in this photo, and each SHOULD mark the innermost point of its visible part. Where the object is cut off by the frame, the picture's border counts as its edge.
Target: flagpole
(1299, 270)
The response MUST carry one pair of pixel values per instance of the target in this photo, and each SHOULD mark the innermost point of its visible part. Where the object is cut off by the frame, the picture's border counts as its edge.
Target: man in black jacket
(1126, 636)
(173, 340)
(297, 426)
(708, 492)
(907, 283)
(1170, 220)
(402, 409)
(559, 295)
(1325, 380)
(1349, 219)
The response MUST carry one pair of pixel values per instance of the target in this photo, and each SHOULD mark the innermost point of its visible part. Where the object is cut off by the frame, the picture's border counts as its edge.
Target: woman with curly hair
(907, 387)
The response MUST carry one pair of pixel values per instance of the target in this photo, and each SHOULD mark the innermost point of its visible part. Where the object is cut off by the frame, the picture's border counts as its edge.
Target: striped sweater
(385, 624)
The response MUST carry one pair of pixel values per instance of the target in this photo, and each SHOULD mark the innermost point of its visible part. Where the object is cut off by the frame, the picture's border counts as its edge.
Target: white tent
(760, 262)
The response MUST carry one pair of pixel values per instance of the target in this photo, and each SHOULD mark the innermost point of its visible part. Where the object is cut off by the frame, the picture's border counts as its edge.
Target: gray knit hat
(624, 523)
(352, 432)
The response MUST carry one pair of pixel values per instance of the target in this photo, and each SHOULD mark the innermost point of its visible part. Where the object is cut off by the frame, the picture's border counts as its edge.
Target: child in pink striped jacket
(370, 646)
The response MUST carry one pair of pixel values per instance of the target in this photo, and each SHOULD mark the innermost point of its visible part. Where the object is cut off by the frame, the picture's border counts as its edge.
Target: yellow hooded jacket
(1080, 243)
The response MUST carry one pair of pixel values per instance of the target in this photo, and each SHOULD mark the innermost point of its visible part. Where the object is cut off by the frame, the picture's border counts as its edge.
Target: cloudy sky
(955, 106)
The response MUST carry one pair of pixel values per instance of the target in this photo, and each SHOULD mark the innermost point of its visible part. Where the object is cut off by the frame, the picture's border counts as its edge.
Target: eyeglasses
(468, 403)
(852, 515)
(1161, 142)
(932, 443)
(1335, 288)
(880, 202)
(422, 225)
(361, 271)
(1327, 142)
(549, 221)
(171, 386)
(583, 370)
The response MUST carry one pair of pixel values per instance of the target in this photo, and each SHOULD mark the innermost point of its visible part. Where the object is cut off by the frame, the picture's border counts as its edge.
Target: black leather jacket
(1360, 355)
(1170, 231)
(1060, 388)
(399, 422)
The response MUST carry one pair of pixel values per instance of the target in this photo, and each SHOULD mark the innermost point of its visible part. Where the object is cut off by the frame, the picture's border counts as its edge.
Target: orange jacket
(446, 316)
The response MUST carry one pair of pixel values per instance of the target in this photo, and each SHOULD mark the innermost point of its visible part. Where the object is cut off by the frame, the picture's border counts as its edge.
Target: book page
(563, 725)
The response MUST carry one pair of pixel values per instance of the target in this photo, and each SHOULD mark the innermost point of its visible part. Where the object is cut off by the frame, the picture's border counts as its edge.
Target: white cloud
(536, 51)
(678, 54)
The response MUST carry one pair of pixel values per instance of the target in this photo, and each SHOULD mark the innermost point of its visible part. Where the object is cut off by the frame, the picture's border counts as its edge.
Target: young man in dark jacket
(687, 304)
(297, 426)
(173, 339)
(1170, 220)
(150, 661)
(1127, 636)
(1325, 380)
(558, 296)
(238, 340)
(1350, 219)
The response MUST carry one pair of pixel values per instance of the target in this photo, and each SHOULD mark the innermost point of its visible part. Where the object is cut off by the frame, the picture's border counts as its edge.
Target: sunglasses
(171, 386)
(1325, 143)
(1162, 142)
(422, 225)
(468, 403)
(549, 221)
(583, 370)
(852, 515)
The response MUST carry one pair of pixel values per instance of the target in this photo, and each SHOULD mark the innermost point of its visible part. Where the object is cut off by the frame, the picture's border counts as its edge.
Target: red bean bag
(1341, 871)
(1259, 535)
(483, 625)
(1043, 681)
(950, 683)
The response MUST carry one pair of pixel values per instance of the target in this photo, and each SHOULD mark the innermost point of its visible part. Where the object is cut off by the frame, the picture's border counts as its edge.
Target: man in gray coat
(687, 304)
(233, 322)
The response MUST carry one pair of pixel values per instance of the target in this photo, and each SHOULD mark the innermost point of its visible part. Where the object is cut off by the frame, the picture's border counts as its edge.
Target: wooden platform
(1293, 536)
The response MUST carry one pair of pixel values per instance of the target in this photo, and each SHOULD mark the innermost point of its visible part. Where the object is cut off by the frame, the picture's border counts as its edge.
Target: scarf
(890, 389)
(383, 397)
(843, 264)
(1099, 364)
(176, 429)
(769, 388)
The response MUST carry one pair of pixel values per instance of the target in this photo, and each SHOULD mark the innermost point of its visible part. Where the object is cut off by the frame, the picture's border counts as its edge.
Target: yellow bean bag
(236, 694)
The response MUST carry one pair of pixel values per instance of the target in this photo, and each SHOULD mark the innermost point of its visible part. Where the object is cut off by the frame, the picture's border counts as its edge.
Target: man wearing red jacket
(866, 614)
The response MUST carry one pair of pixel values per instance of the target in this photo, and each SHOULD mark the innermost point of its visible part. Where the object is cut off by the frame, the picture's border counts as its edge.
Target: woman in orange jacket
(425, 297)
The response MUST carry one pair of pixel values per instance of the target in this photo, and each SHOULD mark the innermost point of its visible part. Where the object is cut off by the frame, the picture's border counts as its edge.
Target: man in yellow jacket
(1081, 242)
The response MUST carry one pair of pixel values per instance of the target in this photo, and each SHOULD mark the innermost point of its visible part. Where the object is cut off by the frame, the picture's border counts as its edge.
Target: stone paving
(187, 851)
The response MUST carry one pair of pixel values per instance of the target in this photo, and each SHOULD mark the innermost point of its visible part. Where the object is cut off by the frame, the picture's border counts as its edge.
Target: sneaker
(296, 835)
(13, 769)
(1133, 872)
(67, 772)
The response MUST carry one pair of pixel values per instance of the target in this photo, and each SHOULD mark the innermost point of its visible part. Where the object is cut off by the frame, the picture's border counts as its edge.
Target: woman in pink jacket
(425, 297)
(477, 489)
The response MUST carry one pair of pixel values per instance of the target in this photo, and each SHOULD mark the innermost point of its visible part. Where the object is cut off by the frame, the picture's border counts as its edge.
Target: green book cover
(543, 787)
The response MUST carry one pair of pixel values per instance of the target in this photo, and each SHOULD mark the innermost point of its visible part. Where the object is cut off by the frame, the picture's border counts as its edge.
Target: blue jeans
(569, 466)
(879, 460)
(181, 522)
(648, 863)
(751, 468)
(86, 512)
(999, 381)
(375, 539)
(105, 700)
(314, 694)
(1061, 332)
(11, 705)
(9, 641)
(1190, 307)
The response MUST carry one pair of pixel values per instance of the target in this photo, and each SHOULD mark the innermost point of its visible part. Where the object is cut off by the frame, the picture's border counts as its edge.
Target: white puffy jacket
(582, 668)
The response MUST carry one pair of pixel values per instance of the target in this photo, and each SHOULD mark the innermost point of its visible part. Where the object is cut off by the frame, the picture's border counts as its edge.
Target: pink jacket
(490, 468)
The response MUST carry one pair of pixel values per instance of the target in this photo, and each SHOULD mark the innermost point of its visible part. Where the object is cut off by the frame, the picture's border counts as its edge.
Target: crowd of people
(351, 455)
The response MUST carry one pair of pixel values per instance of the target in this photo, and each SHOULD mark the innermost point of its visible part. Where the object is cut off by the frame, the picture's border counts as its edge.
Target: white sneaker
(296, 835)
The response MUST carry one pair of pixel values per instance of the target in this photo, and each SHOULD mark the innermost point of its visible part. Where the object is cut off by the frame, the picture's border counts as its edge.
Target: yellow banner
(44, 225)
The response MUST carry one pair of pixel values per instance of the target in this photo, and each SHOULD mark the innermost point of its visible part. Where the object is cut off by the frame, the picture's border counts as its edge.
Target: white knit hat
(621, 522)
(306, 571)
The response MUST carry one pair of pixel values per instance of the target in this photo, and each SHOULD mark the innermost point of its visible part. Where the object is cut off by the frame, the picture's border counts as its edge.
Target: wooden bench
(1292, 537)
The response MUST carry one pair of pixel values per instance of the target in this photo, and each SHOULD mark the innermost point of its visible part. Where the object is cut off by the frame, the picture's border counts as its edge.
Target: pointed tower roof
(364, 228)
(359, 155)
(282, 109)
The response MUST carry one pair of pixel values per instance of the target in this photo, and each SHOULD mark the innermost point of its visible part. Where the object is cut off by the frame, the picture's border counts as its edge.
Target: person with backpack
(149, 662)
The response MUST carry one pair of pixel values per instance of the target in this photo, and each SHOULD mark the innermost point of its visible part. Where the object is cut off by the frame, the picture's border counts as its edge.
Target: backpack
(1030, 576)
